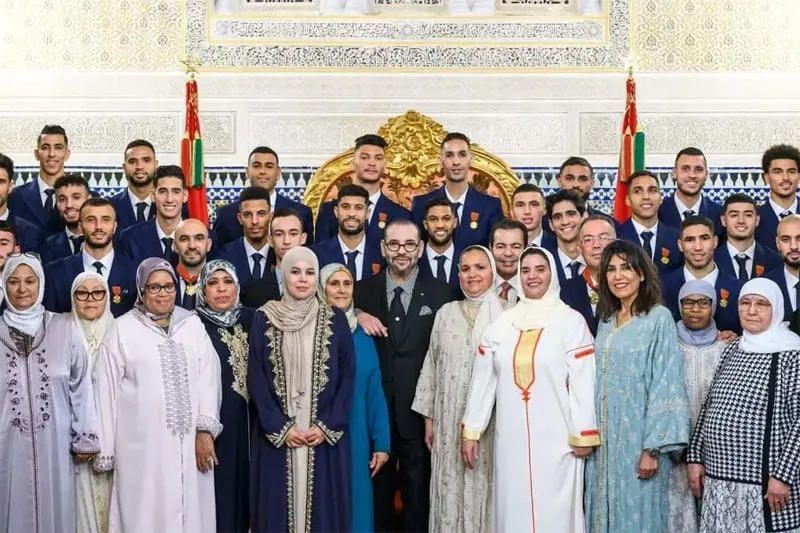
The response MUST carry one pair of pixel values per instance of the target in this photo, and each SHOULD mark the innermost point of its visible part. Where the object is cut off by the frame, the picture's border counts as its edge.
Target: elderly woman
(228, 325)
(300, 379)
(158, 391)
(535, 368)
(745, 451)
(460, 496)
(47, 412)
(91, 314)
(369, 417)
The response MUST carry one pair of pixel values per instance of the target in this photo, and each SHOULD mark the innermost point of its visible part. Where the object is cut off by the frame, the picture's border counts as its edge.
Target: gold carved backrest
(412, 165)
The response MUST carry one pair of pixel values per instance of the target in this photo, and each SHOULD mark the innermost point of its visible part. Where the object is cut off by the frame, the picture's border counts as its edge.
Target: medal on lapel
(382, 220)
(191, 289)
(665, 256)
(116, 292)
(473, 219)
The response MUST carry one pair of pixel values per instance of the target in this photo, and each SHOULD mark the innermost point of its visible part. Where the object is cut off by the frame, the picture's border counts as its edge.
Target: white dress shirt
(711, 277)
(263, 252)
(359, 257)
(161, 235)
(537, 240)
(431, 256)
(778, 209)
(733, 252)
(566, 261)
(461, 199)
(43, 186)
(135, 200)
(683, 207)
(89, 261)
(373, 201)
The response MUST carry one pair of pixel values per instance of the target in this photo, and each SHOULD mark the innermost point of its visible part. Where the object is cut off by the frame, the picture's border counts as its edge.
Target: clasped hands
(310, 437)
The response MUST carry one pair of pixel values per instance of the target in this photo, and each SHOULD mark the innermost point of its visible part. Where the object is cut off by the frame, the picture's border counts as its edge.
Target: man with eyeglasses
(98, 224)
(787, 276)
(781, 166)
(406, 303)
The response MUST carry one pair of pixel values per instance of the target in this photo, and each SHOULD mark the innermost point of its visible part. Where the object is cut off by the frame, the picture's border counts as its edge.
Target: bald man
(192, 245)
(787, 276)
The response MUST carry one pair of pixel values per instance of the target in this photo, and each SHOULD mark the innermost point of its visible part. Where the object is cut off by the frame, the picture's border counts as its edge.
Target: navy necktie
(456, 206)
(76, 241)
(48, 203)
(256, 273)
(786, 214)
(98, 266)
(396, 310)
(648, 248)
(741, 260)
(140, 209)
(688, 213)
(351, 262)
(574, 267)
(440, 272)
(167, 242)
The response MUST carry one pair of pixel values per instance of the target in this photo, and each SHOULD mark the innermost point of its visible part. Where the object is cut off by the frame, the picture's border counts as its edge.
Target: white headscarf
(31, 319)
(777, 337)
(537, 313)
(490, 307)
(92, 331)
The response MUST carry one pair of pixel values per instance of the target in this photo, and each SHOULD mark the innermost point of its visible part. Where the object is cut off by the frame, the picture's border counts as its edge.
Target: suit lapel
(33, 199)
(241, 263)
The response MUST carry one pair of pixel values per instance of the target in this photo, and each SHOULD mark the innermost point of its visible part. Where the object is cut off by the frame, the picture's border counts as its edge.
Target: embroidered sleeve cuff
(209, 425)
(103, 463)
(85, 443)
(470, 434)
(332, 437)
(279, 439)
(587, 438)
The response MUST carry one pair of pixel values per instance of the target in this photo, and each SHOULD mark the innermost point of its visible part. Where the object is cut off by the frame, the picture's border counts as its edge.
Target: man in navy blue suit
(690, 173)
(741, 256)
(528, 206)
(787, 275)
(29, 236)
(566, 210)
(135, 203)
(477, 212)
(98, 224)
(35, 201)
(72, 190)
(507, 240)
(658, 240)
(781, 164)
(350, 246)
(698, 242)
(191, 246)
(155, 237)
(576, 174)
(440, 258)
(263, 170)
(368, 165)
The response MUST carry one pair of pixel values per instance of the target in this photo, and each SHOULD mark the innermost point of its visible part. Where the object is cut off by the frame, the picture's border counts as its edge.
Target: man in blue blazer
(72, 190)
(135, 204)
(787, 275)
(440, 258)
(477, 212)
(576, 174)
(28, 235)
(781, 166)
(528, 207)
(98, 224)
(263, 170)
(741, 256)
(566, 210)
(658, 240)
(368, 165)
(350, 246)
(698, 242)
(35, 201)
(154, 238)
(690, 172)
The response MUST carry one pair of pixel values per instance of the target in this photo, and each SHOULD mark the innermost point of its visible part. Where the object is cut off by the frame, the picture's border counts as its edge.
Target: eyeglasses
(702, 303)
(154, 288)
(601, 239)
(32, 255)
(84, 295)
(408, 246)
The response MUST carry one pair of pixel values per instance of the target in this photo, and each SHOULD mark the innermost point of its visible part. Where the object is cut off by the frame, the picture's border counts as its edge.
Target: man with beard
(506, 242)
(741, 256)
(154, 237)
(191, 246)
(576, 174)
(368, 164)
(440, 258)
(528, 207)
(263, 170)
(98, 224)
(787, 275)
(566, 209)
(72, 190)
(698, 242)
(407, 303)
(690, 173)
(35, 201)
(350, 246)
(781, 166)
(476, 212)
(135, 203)
(30, 235)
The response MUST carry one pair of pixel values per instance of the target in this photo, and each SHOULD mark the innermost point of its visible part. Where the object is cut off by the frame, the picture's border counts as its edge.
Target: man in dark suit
(528, 206)
(28, 235)
(72, 190)
(350, 246)
(690, 173)
(697, 242)
(406, 303)
(787, 275)
(477, 212)
(566, 210)
(741, 256)
(658, 240)
(575, 174)
(507, 240)
(263, 170)
(98, 224)
(154, 238)
(35, 201)
(440, 258)
(368, 165)
(135, 204)
(781, 166)
(191, 246)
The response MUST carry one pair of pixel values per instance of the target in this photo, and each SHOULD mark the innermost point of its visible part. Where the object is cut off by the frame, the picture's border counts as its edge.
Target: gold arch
(412, 165)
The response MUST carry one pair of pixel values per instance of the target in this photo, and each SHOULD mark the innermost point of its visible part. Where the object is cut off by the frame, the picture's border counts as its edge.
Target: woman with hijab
(369, 417)
(158, 391)
(744, 456)
(459, 495)
(300, 379)
(228, 325)
(699, 344)
(535, 367)
(47, 410)
(91, 314)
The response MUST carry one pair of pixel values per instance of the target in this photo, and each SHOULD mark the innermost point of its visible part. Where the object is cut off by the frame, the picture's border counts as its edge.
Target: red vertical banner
(631, 154)
(192, 157)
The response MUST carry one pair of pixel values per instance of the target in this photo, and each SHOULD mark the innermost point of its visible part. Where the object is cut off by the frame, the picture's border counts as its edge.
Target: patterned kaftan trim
(209, 424)
(239, 349)
(84, 442)
(103, 463)
(279, 439)
(332, 437)
(31, 415)
(175, 380)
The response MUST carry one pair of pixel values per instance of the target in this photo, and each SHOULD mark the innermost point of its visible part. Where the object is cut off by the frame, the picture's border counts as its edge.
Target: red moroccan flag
(631, 154)
(192, 157)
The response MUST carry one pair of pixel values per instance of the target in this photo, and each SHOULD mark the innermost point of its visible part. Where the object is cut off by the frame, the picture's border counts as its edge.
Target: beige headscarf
(488, 304)
(92, 331)
(296, 319)
(324, 275)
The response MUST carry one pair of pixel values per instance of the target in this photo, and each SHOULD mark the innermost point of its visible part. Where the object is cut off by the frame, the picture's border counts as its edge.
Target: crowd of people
(442, 369)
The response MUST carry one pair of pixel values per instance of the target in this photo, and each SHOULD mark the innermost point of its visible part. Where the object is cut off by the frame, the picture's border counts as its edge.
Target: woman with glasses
(228, 324)
(47, 411)
(300, 378)
(91, 314)
(744, 456)
(158, 391)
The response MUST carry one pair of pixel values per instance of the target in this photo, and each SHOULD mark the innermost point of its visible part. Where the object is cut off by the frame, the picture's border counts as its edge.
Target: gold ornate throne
(412, 165)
